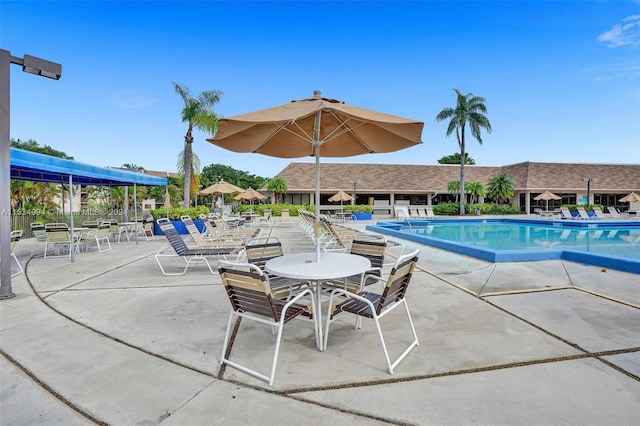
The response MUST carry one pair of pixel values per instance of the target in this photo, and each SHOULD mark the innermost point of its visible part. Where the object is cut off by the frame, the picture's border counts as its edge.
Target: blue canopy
(33, 166)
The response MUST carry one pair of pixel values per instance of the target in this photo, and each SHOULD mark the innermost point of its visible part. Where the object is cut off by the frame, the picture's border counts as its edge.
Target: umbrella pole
(316, 138)
(317, 229)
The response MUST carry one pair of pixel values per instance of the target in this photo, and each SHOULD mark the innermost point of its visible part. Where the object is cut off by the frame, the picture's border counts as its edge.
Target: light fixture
(42, 67)
(32, 65)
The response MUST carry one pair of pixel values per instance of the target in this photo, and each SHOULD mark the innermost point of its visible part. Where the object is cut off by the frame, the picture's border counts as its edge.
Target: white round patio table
(303, 266)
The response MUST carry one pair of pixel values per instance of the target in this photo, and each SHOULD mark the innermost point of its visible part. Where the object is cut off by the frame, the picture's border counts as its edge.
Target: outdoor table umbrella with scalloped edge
(340, 196)
(630, 198)
(250, 194)
(317, 127)
(546, 195)
(220, 188)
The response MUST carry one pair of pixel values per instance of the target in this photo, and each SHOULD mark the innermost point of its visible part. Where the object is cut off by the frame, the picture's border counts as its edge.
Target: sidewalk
(108, 339)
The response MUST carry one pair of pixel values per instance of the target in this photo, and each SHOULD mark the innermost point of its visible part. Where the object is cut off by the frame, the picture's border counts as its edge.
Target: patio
(550, 342)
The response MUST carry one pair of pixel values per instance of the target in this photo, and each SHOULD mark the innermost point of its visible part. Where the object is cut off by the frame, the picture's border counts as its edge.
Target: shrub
(452, 209)
(176, 212)
(446, 209)
(356, 208)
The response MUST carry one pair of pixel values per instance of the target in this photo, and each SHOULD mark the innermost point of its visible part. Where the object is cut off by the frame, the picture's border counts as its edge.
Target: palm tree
(501, 187)
(195, 173)
(197, 112)
(469, 110)
(453, 186)
(476, 189)
(278, 186)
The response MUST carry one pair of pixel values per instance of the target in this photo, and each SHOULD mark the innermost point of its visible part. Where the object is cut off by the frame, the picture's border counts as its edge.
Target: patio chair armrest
(348, 295)
(298, 297)
(374, 278)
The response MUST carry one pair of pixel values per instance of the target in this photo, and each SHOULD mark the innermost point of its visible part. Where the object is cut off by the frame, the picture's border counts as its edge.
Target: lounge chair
(402, 212)
(209, 241)
(335, 237)
(598, 212)
(566, 214)
(376, 306)
(616, 214)
(429, 211)
(191, 256)
(250, 296)
(582, 214)
(223, 229)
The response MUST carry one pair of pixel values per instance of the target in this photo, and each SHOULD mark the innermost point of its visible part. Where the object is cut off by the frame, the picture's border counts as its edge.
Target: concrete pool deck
(110, 340)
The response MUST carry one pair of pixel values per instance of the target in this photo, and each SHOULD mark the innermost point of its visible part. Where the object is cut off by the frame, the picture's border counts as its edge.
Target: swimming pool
(610, 244)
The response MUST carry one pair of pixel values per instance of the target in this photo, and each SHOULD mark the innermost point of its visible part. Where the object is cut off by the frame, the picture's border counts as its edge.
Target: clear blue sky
(561, 79)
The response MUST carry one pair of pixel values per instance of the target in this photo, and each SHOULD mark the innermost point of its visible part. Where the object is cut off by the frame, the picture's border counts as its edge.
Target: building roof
(411, 178)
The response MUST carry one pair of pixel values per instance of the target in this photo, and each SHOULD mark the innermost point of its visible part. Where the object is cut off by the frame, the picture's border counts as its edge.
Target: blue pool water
(614, 245)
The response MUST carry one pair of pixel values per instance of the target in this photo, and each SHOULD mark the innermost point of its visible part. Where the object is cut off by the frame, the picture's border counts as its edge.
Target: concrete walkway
(108, 339)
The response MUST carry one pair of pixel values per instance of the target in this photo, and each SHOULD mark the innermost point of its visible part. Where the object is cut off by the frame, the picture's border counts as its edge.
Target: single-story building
(386, 185)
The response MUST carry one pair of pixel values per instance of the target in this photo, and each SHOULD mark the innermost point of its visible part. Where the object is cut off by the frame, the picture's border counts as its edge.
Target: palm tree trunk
(462, 191)
(188, 158)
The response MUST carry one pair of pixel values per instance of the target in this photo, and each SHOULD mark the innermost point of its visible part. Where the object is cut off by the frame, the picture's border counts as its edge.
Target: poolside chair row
(338, 238)
(408, 212)
(598, 214)
(329, 236)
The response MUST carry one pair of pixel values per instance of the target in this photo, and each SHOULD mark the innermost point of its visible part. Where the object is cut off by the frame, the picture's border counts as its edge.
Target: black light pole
(355, 188)
(589, 180)
(31, 65)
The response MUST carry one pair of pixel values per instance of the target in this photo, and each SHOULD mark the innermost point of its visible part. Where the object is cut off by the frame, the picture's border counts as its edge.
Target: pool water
(503, 240)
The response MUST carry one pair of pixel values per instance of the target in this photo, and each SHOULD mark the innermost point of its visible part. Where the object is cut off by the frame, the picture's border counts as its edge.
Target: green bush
(176, 212)
(453, 209)
(356, 208)
(276, 209)
(446, 209)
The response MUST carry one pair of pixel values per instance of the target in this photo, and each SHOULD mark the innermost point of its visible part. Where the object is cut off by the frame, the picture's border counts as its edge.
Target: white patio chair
(376, 306)
(251, 299)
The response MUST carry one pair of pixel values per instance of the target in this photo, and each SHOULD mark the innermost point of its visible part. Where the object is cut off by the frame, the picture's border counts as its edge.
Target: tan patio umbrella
(630, 198)
(318, 127)
(220, 188)
(340, 196)
(250, 194)
(546, 195)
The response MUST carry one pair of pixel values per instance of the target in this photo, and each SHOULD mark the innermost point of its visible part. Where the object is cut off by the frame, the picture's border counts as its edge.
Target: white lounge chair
(616, 214)
(566, 214)
(582, 214)
(598, 212)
